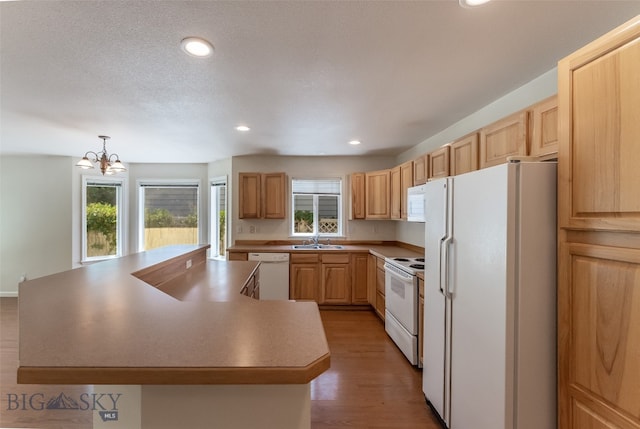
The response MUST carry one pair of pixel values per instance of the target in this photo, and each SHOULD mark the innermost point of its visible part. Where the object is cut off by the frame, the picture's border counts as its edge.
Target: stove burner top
(401, 259)
(419, 259)
(417, 266)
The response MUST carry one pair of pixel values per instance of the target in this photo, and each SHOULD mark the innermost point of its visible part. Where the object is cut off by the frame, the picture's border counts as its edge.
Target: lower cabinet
(330, 278)
(304, 276)
(359, 278)
(380, 300)
(371, 279)
(336, 279)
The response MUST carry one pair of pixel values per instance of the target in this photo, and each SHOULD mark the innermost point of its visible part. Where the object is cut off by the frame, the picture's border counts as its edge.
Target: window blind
(316, 186)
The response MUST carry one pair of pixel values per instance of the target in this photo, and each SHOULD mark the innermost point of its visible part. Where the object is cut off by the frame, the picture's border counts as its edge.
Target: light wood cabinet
(544, 128)
(395, 199)
(358, 196)
(439, 162)
(380, 292)
(504, 138)
(599, 236)
(378, 191)
(262, 195)
(371, 279)
(249, 185)
(304, 272)
(359, 278)
(274, 192)
(464, 155)
(238, 256)
(401, 180)
(406, 181)
(421, 170)
(336, 279)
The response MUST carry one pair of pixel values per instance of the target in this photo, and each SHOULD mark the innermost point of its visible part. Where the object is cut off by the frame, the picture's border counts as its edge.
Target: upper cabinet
(378, 192)
(421, 169)
(600, 135)
(504, 138)
(464, 155)
(249, 195)
(544, 124)
(262, 195)
(439, 162)
(401, 180)
(406, 181)
(358, 196)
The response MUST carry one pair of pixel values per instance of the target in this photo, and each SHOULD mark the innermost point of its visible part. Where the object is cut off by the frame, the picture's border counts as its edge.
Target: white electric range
(401, 302)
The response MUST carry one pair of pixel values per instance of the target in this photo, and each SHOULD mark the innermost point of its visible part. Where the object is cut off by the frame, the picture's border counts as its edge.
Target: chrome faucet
(315, 239)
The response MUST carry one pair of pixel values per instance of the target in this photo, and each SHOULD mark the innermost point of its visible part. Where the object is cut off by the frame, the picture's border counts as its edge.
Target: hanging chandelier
(106, 162)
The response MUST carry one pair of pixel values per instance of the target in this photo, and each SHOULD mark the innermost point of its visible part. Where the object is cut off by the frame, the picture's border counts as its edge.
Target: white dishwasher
(273, 275)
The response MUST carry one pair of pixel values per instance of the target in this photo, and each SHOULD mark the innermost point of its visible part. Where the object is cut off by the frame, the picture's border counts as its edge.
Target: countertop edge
(174, 376)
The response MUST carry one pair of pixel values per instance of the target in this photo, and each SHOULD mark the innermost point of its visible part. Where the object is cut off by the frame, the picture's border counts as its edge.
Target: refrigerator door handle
(442, 264)
(447, 246)
(445, 234)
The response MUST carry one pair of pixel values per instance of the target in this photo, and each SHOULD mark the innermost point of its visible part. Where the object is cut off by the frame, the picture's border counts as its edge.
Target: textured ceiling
(306, 76)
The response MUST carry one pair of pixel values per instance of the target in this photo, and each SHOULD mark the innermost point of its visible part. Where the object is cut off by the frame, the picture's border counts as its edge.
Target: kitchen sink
(316, 246)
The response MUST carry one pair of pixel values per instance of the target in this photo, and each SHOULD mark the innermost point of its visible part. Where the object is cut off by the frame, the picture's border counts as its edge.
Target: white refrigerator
(490, 297)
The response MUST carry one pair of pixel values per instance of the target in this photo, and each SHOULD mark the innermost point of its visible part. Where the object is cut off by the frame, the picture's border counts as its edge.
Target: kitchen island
(175, 324)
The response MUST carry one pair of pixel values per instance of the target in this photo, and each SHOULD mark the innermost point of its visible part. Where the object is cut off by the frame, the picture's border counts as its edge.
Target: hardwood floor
(369, 385)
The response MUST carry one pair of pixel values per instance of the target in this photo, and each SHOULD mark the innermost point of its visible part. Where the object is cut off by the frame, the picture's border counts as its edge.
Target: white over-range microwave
(416, 204)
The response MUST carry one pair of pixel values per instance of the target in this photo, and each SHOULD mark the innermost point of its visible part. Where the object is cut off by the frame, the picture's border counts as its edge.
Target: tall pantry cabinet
(599, 233)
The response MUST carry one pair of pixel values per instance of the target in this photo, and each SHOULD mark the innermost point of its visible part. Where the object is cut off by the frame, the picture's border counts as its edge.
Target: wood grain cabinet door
(249, 195)
(336, 282)
(464, 155)
(304, 282)
(504, 138)
(395, 197)
(359, 278)
(274, 195)
(378, 189)
(421, 170)
(600, 136)
(599, 337)
(406, 181)
(544, 127)
(439, 162)
(358, 196)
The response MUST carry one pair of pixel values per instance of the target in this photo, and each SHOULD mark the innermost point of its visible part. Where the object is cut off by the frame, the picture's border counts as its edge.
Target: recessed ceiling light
(354, 142)
(196, 47)
(472, 3)
(242, 128)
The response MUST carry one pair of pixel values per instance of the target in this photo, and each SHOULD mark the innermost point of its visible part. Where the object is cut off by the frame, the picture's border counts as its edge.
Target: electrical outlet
(239, 229)
(252, 229)
(189, 263)
(375, 229)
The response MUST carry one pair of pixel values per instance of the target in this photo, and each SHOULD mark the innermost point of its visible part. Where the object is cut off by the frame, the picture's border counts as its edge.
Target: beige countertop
(101, 325)
(380, 250)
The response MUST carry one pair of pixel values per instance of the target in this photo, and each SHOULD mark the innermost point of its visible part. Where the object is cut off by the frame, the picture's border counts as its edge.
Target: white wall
(310, 168)
(538, 89)
(35, 218)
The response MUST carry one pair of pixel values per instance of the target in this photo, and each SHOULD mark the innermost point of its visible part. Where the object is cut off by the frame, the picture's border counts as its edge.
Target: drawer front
(335, 258)
(304, 258)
